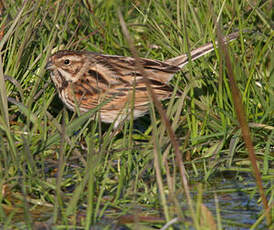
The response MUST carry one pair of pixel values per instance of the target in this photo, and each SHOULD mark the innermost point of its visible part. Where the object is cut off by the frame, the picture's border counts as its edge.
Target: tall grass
(47, 176)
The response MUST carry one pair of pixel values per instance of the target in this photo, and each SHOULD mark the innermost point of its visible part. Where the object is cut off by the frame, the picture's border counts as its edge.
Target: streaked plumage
(85, 79)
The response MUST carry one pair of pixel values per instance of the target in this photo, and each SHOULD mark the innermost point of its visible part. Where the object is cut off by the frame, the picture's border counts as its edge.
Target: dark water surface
(237, 198)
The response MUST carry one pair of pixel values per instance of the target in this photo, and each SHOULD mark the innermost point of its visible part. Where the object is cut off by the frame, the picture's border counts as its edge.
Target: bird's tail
(182, 60)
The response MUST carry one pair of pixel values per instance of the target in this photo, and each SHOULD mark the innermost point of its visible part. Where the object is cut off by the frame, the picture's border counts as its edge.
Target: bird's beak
(49, 65)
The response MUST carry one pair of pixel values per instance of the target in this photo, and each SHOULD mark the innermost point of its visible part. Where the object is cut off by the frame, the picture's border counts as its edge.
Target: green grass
(132, 179)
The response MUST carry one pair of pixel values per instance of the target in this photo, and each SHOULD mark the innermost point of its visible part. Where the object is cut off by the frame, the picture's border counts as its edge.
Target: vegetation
(69, 171)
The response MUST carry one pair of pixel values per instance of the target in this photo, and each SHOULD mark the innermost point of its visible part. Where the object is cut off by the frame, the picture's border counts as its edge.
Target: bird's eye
(66, 62)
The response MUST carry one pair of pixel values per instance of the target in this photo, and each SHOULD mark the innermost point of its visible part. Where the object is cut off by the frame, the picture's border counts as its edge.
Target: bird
(84, 79)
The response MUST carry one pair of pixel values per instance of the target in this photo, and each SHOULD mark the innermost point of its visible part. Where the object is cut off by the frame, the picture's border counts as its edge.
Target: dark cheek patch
(73, 68)
(77, 67)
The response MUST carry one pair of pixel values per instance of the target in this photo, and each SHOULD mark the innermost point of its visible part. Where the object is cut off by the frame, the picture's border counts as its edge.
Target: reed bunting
(84, 79)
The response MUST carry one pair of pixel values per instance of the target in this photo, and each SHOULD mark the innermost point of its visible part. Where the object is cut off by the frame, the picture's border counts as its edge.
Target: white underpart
(120, 117)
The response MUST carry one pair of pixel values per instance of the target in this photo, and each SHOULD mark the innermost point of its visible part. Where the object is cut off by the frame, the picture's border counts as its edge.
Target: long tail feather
(182, 60)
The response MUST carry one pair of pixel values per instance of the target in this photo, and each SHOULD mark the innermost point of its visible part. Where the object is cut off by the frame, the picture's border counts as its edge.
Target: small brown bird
(84, 79)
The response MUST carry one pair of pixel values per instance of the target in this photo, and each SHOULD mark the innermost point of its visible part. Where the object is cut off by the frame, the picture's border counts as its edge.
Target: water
(237, 198)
